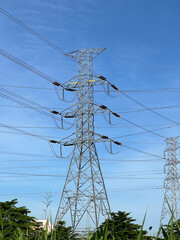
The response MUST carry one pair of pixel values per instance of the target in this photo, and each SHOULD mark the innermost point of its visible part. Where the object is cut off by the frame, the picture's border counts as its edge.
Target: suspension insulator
(69, 115)
(117, 143)
(104, 137)
(115, 114)
(70, 89)
(109, 117)
(53, 141)
(69, 143)
(113, 86)
(111, 147)
(101, 77)
(56, 83)
(54, 112)
(103, 107)
(62, 125)
(60, 150)
(108, 88)
(63, 94)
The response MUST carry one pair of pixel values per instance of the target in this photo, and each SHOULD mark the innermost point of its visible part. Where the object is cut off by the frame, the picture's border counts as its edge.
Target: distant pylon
(171, 182)
(84, 198)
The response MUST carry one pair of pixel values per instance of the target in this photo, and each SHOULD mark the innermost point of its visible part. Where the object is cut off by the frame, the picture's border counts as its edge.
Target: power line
(19, 167)
(23, 103)
(127, 173)
(12, 58)
(132, 172)
(32, 31)
(122, 111)
(64, 53)
(28, 67)
(56, 193)
(176, 89)
(23, 132)
(155, 108)
(50, 179)
(32, 160)
(124, 172)
(133, 178)
(137, 174)
(28, 87)
(62, 176)
(111, 190)
(149, 109)
(50, 115)
(52, 157)
(129, 161)
(24, 99)
(27, 180)
(26, 194)
(139, 126)
(35, 127)
(137, 150)
(133, 134)
(103, 160)
(45, 136)
(26, 154)
(146, 130)
(135, 189)
(125, 126)
(123, 176)
(40, 74)
(32, 175)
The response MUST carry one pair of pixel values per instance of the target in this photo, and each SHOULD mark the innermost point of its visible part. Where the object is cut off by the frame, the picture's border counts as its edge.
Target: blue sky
(142, 40)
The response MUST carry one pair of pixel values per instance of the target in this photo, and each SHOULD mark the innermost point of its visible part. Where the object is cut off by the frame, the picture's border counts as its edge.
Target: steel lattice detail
(84, 194)
(171, 182)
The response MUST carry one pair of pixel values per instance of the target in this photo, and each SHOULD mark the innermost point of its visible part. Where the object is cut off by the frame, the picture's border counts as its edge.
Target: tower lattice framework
(171, 182)
(84, 197)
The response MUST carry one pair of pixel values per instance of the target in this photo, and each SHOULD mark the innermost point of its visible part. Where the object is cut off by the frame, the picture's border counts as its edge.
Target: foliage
(176, 229)
(101, 234)
(172, 230)
(15, 220)
(15, 224)
(63, 233)
(122, 226)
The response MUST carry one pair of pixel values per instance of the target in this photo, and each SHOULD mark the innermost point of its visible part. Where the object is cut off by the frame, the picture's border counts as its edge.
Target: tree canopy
(172, 229)
(13, 218)
(64, 233)
(122, 226)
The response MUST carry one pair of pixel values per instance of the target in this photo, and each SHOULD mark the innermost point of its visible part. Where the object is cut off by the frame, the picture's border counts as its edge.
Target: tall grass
(101, 234)
(168, 234)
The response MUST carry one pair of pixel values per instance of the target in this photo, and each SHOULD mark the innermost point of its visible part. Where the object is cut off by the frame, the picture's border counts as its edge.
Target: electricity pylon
(84, 195)
(171, 182)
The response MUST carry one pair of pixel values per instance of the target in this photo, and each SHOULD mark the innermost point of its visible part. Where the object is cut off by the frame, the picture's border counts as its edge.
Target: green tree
(122, 226)
(14, 219)
(64, 233)
(173, 229)
(176, 228)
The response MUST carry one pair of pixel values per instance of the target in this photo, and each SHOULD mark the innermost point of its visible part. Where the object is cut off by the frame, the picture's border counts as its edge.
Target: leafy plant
(15, 224)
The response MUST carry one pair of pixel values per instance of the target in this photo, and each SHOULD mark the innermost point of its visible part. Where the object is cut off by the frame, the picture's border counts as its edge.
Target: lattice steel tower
(84, 194)
(171, 182)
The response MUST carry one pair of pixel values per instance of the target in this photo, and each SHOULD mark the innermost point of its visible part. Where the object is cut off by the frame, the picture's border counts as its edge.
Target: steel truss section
(171, 182)
(84, 195)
